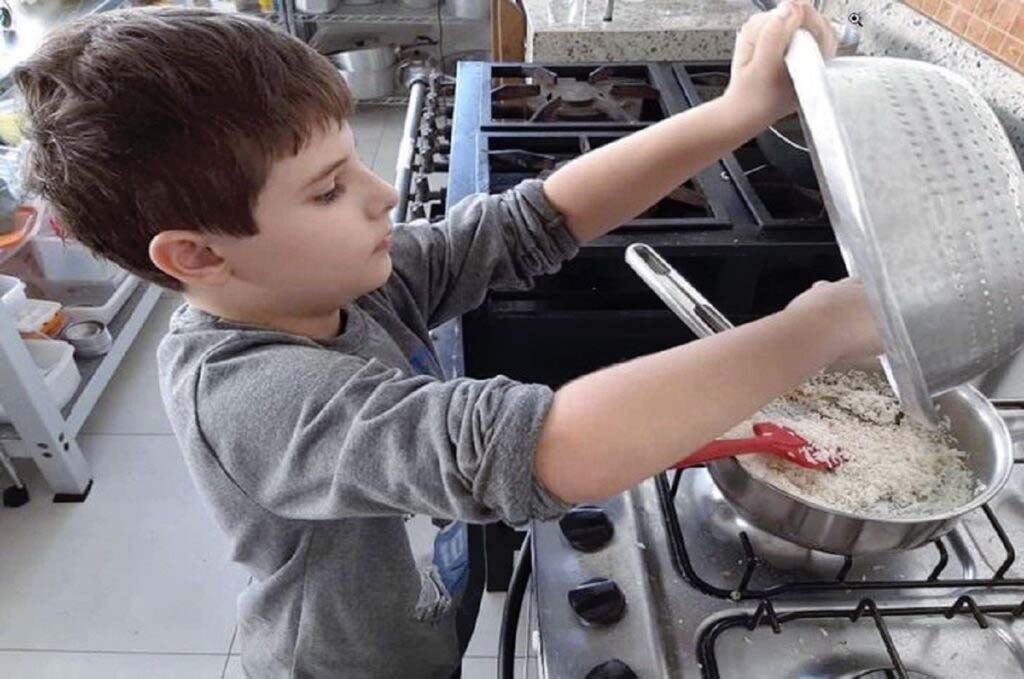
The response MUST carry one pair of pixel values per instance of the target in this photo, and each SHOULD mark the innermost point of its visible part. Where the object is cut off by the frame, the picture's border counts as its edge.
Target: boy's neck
(317, 327)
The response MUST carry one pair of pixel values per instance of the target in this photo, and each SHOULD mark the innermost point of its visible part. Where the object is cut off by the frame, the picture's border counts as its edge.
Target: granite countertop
(575, 30)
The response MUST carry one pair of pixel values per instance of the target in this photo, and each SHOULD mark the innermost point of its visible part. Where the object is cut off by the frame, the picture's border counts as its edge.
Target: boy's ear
(188, 257)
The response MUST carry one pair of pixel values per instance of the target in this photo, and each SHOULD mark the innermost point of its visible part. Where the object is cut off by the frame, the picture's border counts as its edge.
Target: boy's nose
(385, 196)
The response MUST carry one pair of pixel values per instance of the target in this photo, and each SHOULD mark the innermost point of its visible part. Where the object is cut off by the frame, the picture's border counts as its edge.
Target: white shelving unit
(40, 430)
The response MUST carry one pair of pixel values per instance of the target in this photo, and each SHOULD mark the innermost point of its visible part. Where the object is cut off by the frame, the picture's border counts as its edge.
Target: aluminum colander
(925, 194)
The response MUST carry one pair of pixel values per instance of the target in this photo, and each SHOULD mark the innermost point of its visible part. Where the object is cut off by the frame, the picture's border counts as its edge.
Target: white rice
(893, 466)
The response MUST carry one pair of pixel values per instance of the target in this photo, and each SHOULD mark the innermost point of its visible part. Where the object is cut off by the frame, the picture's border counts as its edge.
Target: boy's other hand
(840, 312)
(760, 83)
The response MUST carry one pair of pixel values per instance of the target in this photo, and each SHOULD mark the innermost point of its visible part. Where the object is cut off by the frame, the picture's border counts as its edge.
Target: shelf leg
(36, 418)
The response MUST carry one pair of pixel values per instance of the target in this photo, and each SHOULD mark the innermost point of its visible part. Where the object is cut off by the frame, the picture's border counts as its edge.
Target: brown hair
(150, 119)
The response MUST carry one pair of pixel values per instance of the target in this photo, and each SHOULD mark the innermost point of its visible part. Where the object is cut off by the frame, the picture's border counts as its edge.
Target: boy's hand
(840, 311)
(760, 83)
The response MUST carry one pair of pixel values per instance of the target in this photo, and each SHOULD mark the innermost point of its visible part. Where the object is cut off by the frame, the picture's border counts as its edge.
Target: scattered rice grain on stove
(893, 466)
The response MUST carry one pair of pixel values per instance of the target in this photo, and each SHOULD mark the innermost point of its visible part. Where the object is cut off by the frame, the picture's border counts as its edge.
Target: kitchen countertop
(574, 30)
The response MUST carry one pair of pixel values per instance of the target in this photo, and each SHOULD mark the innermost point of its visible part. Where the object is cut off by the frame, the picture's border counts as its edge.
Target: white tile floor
(135, 583)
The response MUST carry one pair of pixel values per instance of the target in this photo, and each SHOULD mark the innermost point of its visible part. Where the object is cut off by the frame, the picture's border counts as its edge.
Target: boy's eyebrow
(323, 174)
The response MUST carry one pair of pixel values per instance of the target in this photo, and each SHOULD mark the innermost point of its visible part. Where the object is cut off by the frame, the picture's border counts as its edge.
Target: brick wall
(996, 26)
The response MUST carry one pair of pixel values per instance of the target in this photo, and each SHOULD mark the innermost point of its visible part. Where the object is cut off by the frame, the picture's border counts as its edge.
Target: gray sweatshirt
(309, 454)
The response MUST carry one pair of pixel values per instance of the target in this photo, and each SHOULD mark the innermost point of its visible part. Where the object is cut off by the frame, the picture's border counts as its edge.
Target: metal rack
(391, 13)
(387, 16)
(766, 615)
(48, 434)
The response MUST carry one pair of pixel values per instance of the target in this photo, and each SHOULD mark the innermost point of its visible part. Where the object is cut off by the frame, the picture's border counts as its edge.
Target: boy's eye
(329, 196)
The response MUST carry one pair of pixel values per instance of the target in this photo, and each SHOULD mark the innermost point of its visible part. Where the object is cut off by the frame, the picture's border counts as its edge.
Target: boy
(210, 153)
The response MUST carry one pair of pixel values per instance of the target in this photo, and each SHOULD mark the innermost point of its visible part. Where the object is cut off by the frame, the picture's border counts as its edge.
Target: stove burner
(605, 95)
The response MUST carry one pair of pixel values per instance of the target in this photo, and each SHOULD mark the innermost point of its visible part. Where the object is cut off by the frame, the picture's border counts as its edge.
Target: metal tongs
(705, 320)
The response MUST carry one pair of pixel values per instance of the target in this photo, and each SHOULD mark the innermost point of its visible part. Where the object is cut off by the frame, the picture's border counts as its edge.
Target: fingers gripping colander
(925, 194)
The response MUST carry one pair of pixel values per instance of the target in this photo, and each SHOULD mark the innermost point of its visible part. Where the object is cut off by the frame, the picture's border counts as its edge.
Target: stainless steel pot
(316, 6)
(471, 9)
(974, 422)
(365, 58)
(369, 72)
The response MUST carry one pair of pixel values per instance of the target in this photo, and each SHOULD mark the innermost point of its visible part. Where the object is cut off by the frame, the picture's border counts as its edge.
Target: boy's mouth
(384, 244)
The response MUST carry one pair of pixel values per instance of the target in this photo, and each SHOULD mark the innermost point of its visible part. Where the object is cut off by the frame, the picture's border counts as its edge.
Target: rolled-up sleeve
(485, 243)
(324, 435)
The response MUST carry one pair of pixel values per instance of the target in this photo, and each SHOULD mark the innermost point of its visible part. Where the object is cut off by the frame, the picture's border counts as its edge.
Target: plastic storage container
(66, 261)
(89, 287)
(55, 360)
(12, 294)
(105, 311)
(39, 317)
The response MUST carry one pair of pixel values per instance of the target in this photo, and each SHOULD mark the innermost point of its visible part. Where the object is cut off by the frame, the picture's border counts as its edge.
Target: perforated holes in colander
(1011, 255)
(942, 140)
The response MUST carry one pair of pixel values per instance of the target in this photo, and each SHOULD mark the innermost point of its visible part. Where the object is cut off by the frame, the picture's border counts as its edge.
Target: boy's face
(324, 225)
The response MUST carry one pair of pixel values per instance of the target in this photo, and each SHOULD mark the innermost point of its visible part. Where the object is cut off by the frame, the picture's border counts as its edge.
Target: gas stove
(667, 581)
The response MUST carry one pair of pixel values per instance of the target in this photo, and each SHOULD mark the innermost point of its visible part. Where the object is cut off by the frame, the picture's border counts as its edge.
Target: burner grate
(839, 583)
(617, 94)
(766, 615)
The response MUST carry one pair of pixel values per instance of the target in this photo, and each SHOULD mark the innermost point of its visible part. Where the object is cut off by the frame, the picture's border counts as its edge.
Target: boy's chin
(383, 270)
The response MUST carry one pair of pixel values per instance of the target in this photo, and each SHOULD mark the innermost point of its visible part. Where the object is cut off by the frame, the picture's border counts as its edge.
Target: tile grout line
(227, 658)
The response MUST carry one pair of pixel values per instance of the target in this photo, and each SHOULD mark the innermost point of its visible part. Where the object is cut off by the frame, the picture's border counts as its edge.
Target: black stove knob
(422, 190)
(587, 528)
(598, 602)
(613, 669)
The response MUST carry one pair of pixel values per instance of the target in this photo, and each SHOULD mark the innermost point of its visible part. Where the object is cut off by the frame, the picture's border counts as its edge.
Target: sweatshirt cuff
(545, 241)
(516, 436)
